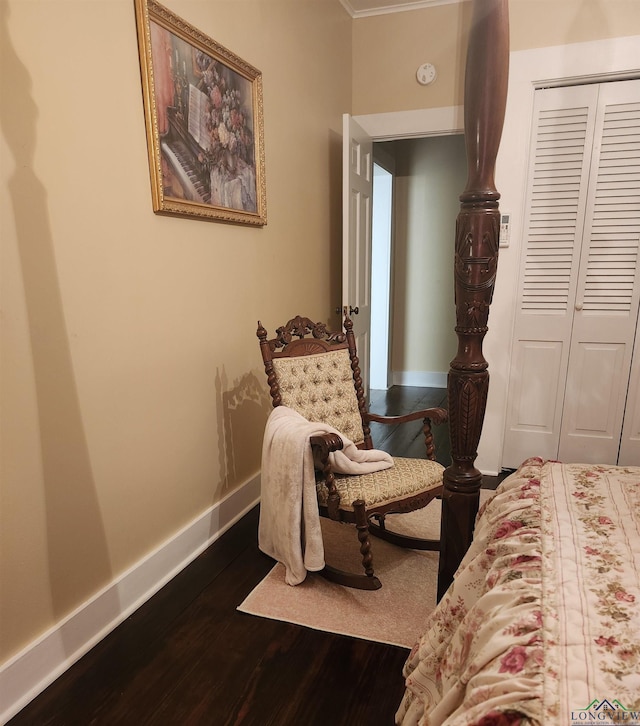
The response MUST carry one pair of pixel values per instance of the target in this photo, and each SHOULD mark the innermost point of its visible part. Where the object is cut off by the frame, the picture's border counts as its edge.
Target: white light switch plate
(505, 228)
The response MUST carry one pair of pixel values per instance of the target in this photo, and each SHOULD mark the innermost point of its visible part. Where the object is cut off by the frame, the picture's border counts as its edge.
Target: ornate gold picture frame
(204, 121)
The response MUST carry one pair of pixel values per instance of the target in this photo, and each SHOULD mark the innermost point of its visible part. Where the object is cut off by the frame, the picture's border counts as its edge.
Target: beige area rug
(395, 614)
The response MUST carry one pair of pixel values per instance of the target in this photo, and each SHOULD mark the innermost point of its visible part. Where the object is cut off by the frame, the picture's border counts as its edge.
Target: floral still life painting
(204, 122)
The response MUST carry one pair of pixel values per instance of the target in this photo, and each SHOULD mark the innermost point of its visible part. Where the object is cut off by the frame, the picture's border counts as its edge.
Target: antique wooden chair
(316, 372)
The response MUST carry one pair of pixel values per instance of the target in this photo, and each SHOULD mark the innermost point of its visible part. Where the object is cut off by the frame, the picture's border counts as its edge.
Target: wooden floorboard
(192, 658)
(408, 439)
(187, 656)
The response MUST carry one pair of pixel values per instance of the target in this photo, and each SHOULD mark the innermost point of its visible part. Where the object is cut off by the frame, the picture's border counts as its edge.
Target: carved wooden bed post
(476, 257)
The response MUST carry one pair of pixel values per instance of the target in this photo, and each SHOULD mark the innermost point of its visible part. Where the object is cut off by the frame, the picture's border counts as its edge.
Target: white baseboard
(29, 672)
(421, 379)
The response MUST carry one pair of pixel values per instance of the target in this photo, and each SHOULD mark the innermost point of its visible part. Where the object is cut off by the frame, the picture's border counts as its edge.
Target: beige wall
(388, 49)
(542, 23)
(132, 389)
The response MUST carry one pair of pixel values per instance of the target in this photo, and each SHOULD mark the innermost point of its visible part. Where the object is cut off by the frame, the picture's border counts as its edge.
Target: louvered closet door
(606, 305)
(578, 303)
(630, 442)
(563, 132)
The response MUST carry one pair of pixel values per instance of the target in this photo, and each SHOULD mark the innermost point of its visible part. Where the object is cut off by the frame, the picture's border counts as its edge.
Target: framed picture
(204, 122)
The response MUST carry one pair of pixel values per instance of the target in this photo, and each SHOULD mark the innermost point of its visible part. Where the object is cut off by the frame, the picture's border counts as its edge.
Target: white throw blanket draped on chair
(289, 529)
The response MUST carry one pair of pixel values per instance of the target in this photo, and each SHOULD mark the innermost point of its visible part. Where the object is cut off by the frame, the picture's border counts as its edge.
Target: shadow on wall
(78, 558)
(243, 409)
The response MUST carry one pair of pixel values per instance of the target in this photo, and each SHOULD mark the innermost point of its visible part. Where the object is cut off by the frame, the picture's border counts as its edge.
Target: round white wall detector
(426, 74)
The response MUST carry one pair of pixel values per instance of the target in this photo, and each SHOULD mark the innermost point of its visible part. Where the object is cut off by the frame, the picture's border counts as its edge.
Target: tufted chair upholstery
(316, 372)
(320, 388)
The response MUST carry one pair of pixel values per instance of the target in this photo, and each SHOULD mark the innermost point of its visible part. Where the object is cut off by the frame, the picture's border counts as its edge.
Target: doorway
(417, 183)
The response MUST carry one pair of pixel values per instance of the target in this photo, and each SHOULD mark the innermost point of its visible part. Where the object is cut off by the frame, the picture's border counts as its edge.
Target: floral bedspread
(542, 622)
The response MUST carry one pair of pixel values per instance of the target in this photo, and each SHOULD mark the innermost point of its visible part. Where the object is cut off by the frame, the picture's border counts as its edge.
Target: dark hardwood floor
(408, 439)
(188, 657)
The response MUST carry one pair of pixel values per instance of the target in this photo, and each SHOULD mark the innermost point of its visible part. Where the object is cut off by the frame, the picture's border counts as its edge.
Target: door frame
(543, 408)
(397, 125)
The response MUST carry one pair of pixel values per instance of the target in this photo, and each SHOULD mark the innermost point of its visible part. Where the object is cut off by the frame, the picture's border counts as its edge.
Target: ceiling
(364, 8)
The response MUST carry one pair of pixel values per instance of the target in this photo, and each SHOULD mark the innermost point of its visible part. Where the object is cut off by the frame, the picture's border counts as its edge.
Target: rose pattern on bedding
(555, 553)
(501, 718)
(476, 653)
(610, 573)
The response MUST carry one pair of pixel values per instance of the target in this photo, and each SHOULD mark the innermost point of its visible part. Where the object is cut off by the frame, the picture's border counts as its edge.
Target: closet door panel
(590, 427)
(562, 135)
(534, 413)
(608, 286)
(630, 442)
(628, 201)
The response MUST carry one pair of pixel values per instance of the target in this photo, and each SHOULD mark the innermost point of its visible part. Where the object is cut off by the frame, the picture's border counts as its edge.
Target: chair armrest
(321, 446)
(436, 415)
(428, 415)
(324, 444)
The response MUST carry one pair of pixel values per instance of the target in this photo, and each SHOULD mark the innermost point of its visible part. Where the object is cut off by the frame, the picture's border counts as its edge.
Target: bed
(538, 618)
(542, 620)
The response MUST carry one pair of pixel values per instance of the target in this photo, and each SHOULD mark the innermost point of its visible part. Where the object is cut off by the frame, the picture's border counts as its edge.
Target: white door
(630, 443)
(608, 289)
(357, 191)
(563, 127)
(578, 304)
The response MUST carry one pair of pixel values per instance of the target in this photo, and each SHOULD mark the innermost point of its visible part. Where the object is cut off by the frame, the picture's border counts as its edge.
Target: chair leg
(362, 525)
(368, 581)
(378, 529)
(350, 579)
